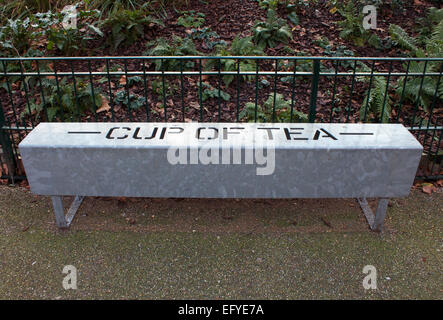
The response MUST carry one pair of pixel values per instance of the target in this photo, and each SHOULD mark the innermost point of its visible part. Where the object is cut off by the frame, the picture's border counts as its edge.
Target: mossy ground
(262, 249)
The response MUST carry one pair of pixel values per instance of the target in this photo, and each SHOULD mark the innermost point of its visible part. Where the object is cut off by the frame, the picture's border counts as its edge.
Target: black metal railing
(222, 89)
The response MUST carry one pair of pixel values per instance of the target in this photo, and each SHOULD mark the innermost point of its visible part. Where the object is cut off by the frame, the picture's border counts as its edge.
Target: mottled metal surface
(311, 160)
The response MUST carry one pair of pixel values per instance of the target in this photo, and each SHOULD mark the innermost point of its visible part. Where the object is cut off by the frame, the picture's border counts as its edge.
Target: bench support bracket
(375, 222)
(60, 218)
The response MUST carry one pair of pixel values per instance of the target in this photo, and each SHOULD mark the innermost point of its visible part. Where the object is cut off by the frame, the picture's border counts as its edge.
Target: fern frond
(437, 33)
(402, 38)
(379, 104)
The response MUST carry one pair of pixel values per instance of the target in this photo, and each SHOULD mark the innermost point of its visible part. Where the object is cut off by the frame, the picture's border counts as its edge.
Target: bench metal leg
(60, 218)
(375, 222)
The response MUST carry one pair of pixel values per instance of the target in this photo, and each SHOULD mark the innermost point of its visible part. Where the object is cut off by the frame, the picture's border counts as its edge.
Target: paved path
(285, 249)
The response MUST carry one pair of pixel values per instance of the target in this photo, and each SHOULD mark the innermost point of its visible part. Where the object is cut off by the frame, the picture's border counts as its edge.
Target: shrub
(63, 102)
(272, 31)
(211, 92)
(210, 38)
(69, 40)
(128, 26)
(178, 47)
(352, 27)
(379, 103)
(239, 47)
(16, 36)
(265, 113)
(190, 19)
(417, 89)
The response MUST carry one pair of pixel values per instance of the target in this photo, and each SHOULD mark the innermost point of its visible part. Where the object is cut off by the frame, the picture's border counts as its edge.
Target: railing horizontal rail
(251, 88)
(216, 73)
(438, 128)
(224, 58)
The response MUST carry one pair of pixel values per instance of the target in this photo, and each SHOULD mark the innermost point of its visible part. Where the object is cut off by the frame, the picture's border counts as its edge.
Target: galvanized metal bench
(221, 160)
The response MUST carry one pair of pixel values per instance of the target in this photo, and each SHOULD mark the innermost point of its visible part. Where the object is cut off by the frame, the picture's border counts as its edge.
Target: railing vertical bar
(352, 92)
(25, 87)
(91, 82)
(238, 91)
(127, 89)
(314, 91)
(256, 89)
(403, 91)
(37, 64)
(386, 93)
(369, 91)
(419, 93)
(74, 84)
(334, 90)
(182, 94)
(275, 91)
(7, 146)
(293, 91)
(431, 113)
(219, 90)
(59, 96)
(436, 149)
(111, 99)
(145, 85)
(201, 89)
(165, 107)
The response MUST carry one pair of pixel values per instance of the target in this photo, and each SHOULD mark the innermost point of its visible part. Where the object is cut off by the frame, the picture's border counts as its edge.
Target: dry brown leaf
(123, 80)
(428, 189)
(195, 105)
(104, 106)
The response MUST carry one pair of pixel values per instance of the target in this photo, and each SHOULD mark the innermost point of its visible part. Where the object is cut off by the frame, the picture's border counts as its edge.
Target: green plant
(70, 40)
(169, 88)
(191, 19)
(421, 90)
(272, 31)
(377, 101)
(111, 6)
(16, 36)
(210, 92)
(239, 47)
(402, 39)
(134, 102)
(128, 26)
(265, 113)
(210, 38)
(427, 24)
(352, 27)
(177, 47)
(418, 91)
(268, 4)
(64, 102)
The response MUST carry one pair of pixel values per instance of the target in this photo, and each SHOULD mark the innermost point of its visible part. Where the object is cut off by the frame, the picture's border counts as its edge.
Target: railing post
(314, 90)
(6, 144)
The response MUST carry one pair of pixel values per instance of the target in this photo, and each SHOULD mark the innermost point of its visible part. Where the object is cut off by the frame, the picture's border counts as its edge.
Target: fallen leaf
(333, 10)
(123, 80)
(105, 105)
(195, 105)
(428, 189)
